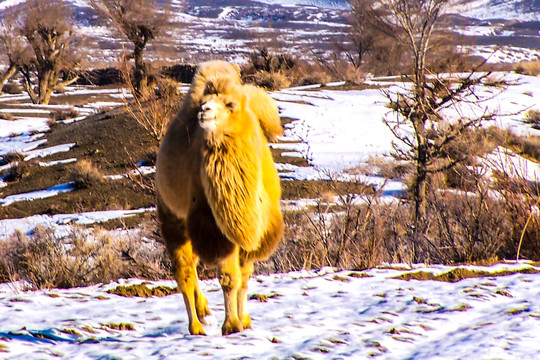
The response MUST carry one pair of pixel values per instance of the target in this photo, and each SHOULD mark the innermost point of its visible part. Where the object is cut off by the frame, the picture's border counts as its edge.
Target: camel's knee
(229, 281)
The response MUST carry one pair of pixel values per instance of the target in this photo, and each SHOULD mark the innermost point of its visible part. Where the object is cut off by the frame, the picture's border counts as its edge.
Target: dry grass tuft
(12, 88)
(141, 290)
(6, 116)
(316, 77)
(120, 326)
(61, 114)
(528, 68)
(459, 274)
(270, 80)
(532, 117)
(85, 174)
(20, 169)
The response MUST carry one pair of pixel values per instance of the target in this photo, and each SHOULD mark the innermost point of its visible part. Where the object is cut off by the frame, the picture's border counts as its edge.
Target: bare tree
(47, 28)
(432, 144)
(11, 45)
(362, 35)
(140, 21)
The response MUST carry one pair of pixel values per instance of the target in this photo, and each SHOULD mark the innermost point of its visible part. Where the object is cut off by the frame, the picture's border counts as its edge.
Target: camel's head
(223, 109)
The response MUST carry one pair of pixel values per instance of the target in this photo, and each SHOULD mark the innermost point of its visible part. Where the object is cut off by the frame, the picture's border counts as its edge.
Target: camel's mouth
(207, 116)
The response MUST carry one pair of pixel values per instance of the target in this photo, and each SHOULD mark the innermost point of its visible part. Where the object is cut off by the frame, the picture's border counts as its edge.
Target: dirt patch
(141, 290)
(302, 189)
(459, 274)
(112, 142)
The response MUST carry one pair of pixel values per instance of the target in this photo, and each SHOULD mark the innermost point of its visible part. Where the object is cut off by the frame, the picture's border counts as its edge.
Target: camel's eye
(230, 105)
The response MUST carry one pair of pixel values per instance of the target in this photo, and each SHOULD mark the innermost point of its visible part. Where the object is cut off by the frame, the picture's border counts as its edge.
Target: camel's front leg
(246, 268)
(185, 272)
(230, 278)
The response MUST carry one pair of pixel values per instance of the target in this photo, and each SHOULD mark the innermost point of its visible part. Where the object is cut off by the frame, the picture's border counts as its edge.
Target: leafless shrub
(316, 77)
(390, 168)
(480, 220)
(270, 80)
(337, 66)
(19, 169)
(85, 173)
(273, 68)
(81, 258)
(532, 116)
(7, 116)
(63, 114)
(156, 109)
(528, 68)
(12, 88)
(263, 59)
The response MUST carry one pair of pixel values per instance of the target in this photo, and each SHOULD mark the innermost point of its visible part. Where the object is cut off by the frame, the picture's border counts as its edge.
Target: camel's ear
(266, 110)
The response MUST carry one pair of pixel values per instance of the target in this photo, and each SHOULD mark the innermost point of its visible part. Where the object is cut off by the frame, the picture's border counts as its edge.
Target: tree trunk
(419, 183)
(44, 94)
(4, 77)
(140, 76)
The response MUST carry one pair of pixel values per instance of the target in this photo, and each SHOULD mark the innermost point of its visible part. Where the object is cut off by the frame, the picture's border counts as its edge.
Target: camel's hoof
(231, 327)
(246, 322)
(196, 329)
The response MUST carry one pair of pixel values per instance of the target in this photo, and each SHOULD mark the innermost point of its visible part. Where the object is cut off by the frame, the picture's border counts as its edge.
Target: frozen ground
(308, 315)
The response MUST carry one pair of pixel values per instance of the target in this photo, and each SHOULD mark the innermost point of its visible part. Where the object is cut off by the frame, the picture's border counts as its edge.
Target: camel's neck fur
(232, 180)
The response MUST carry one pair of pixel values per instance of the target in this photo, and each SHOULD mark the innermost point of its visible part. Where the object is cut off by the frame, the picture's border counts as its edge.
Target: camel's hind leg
(246, 267)
(230, 278)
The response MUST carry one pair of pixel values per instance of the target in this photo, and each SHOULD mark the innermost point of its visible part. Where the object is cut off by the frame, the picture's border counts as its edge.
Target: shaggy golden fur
(218, 190)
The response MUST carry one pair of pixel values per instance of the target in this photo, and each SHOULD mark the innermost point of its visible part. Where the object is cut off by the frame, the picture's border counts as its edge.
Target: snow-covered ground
(307, 315)
(338, 130)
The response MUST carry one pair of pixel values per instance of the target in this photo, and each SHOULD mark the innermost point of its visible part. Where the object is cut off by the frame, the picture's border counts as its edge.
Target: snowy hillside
(203, 29)
(333, 4)
(304, 315)
(522, 10)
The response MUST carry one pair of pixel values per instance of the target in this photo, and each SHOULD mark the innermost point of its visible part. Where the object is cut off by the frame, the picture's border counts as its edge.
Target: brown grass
(458, 274)
(528, 68)
(85, 174)
(532, 116)
(141, 290)
(62, 115)
(269, 80)
(12, 88)
(81, 258)
(120, 326)
(7, 116)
